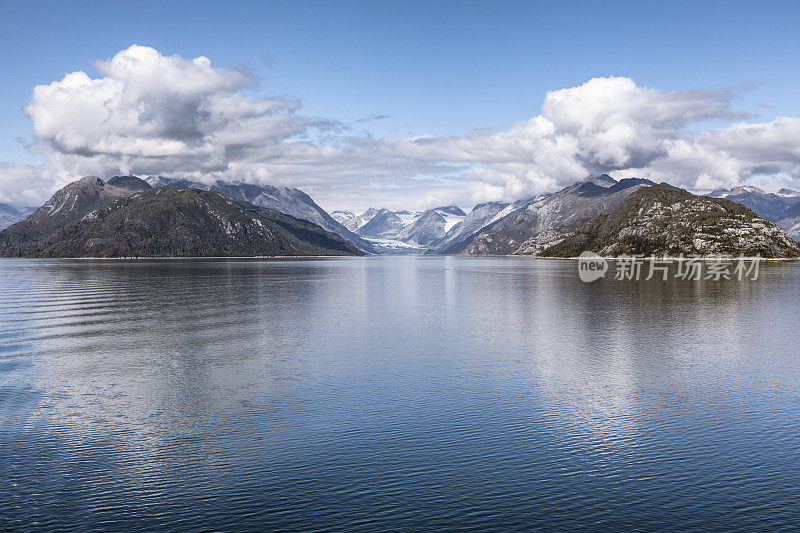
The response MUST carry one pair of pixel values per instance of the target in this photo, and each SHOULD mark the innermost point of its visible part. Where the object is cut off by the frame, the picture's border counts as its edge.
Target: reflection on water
(412, 392)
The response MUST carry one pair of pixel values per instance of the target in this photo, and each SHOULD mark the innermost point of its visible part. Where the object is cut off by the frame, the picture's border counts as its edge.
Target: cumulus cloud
(605, 125)
(154, 113)
(150, 114)
(29, 185)
(726, 157)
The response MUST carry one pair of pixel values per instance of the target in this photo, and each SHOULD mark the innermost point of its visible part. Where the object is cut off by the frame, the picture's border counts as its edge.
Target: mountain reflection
(278, 391)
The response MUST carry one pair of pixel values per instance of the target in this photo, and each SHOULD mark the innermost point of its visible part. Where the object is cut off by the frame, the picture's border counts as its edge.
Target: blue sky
(438, 68)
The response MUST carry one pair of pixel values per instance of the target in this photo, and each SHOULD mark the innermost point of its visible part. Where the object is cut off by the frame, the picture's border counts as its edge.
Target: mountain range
(391, 231)
(124, 216)
(782, 208)
(91, 218)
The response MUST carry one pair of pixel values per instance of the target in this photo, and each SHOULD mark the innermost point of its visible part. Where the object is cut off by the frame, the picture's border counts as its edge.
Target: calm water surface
(406, 393)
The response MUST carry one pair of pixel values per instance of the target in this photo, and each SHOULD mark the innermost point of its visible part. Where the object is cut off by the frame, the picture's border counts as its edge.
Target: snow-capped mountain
(356, 221)
(383, 225)
(404, 230)
(431, 226)
(539, 222)
(342, 216)
(782, 208)
(11, 215)
(459, 235)
(772, 206)
(287, 200)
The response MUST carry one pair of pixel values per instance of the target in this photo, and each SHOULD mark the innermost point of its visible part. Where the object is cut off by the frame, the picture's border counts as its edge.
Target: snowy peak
(774, 207)
(342, 216)
(354, 223)
(744, 189)
(383, 224)
(450, 210)
(603, 180)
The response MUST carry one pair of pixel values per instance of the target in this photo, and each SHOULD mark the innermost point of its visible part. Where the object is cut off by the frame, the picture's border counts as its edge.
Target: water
(409, 393)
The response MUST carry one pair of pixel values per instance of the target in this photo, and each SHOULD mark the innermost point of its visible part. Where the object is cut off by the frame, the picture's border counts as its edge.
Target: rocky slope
(791, 222)
(163, 222)
(67, 205)
(536, 224)
(290, 201)
(666, 221)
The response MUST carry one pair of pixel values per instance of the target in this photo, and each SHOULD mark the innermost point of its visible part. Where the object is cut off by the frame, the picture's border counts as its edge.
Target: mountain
(131, 183)
(354, 223)
(767, 205)
(67, 205)
(538, 223)
(342, 216)
(462, 233)
(164, 222)
(290, 201)
(431, 226)
(781, 207)
(384, 224)
(662, 220)
(791, 222)
(11, 215)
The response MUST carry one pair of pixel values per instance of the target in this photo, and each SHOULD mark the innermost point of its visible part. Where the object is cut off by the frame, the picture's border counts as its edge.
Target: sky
(402, 104)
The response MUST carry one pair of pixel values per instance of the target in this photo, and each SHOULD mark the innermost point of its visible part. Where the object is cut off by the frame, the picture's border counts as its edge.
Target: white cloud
(605, 125)
(29, 185)
(153, 114)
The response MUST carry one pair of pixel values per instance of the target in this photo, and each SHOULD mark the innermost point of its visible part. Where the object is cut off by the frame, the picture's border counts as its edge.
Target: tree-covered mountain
(165, 222)
(287, 200)
(89, 218)
(666, 221)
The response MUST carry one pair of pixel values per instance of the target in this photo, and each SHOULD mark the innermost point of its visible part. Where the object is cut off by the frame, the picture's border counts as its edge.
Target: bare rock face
(666, 221)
